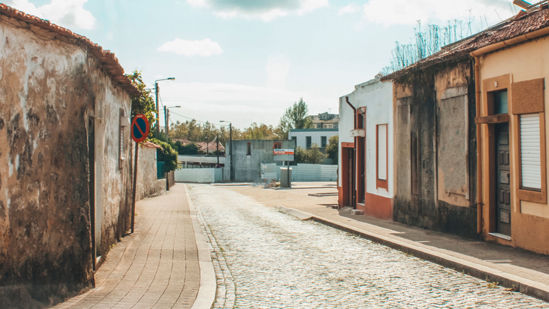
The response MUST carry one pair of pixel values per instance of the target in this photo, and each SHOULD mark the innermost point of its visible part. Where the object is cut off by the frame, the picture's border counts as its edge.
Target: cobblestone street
(266, 258)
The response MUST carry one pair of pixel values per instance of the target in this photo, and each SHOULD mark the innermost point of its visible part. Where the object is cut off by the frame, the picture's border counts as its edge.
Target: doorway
(502, 179)
(348, 175)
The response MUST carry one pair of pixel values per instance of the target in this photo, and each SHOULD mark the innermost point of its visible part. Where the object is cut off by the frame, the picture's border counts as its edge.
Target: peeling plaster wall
(48, 90)
(148, 184)
(436, 147)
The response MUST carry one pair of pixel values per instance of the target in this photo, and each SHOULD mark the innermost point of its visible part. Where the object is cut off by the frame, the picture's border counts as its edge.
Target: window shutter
(530, 155)
(382, 152)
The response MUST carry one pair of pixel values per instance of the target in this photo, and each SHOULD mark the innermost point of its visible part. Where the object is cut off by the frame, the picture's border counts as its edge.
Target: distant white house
(306, 138)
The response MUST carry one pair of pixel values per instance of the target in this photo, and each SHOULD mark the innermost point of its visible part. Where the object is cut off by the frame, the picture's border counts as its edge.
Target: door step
(357, 212)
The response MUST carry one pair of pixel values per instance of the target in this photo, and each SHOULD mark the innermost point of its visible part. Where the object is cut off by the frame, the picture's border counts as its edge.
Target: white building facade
(306, 138)
(366, 149)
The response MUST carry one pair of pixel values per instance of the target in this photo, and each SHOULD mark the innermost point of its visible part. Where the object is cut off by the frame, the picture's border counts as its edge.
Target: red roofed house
(64, 161)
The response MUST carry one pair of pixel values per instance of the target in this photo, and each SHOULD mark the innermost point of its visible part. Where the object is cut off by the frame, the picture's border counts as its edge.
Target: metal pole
(134, 183)
(217, 146)
(157, 111)
(231, 148)
(166, 121)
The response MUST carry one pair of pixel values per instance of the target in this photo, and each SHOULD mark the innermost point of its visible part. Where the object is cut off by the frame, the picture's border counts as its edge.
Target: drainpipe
(355, 139)
(354, 111)
(479, 146)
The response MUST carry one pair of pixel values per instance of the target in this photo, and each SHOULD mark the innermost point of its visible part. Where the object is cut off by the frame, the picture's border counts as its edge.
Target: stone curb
(208, 282)
(463, 263)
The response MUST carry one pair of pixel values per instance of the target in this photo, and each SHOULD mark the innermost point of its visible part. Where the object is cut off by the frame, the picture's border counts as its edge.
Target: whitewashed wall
(199, 175)
(377, 97)
(301, 172)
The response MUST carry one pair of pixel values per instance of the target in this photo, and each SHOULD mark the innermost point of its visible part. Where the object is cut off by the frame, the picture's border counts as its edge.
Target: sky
(246, 61)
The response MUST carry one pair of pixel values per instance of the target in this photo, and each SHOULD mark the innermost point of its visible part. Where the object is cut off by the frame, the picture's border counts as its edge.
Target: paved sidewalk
(514, 268)
(157, 266)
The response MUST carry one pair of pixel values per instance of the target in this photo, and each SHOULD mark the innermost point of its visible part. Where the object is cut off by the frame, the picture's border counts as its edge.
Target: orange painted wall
(529, 221)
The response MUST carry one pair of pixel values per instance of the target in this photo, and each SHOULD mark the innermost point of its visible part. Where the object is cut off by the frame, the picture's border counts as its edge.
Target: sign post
(286, 156)
(140, 130)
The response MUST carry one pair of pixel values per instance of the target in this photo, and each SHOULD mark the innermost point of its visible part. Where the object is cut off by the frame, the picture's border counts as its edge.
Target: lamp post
(167, 124)
(230, 149)
(156, 90)
(167, 118)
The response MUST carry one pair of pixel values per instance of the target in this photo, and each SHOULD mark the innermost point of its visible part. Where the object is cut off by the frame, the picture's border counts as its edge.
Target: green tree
(312, 155)
(144, 102)
(166, 154)
(332, 148)
(295, 117)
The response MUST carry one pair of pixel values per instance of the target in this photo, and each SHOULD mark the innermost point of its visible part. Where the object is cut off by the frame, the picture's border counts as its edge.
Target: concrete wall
(529, 219)
(199, 175)
(301, 172)
(435, 148)
(247, 167)
(50, 90)
(148, 184)
(315, 134)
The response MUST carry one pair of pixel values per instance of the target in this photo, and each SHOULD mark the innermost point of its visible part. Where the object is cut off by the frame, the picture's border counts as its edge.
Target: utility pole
(231, 148)
(156, 91)
(217, 146)
(157, 111)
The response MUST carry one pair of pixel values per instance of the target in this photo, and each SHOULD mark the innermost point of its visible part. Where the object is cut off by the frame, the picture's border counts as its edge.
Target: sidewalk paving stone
(156, 267)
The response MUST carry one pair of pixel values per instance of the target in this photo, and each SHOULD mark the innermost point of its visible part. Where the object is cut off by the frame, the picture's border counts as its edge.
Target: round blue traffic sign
(140, 128)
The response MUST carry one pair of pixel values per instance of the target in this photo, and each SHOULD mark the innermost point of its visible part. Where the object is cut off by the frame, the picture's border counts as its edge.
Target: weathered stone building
(65, 187)
(434, 112)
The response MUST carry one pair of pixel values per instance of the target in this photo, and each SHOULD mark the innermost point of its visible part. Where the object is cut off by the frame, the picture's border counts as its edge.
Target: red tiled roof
(521, 24)
(107, 59)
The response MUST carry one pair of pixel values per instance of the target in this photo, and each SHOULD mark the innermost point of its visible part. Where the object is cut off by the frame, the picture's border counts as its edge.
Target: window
(308, 142)
(530, 156)
(277, 145)
(249, 149)
(528, 107)
(382, 168)
(323, 141)
(122, 124)
(500, 102)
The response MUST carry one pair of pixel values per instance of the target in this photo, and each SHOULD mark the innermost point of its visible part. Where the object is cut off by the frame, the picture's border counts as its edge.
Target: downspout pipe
(479, 145)
(354, 111)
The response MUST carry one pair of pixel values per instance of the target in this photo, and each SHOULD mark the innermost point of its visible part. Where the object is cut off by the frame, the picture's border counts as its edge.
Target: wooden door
(502, 179)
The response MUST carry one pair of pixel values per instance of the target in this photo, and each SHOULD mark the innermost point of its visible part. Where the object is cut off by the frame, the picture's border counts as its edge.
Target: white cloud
(349, 9)
(390, 12)
(277, 69)
(67, 13)
(203, 48)
(266, 10)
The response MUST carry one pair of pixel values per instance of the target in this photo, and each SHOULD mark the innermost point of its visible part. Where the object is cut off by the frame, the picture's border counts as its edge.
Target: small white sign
(358, 133)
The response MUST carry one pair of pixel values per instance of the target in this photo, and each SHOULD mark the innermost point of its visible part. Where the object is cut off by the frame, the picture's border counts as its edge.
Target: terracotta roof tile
(106, 58)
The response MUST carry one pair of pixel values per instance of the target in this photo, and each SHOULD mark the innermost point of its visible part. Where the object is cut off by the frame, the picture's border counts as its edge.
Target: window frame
(521, 91)
(308, 142)
(249, 149)
(382, 183)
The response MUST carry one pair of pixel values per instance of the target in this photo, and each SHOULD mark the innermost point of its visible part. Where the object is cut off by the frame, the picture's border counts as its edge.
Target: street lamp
(230, 148)
(156, 99)
(167, 118)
